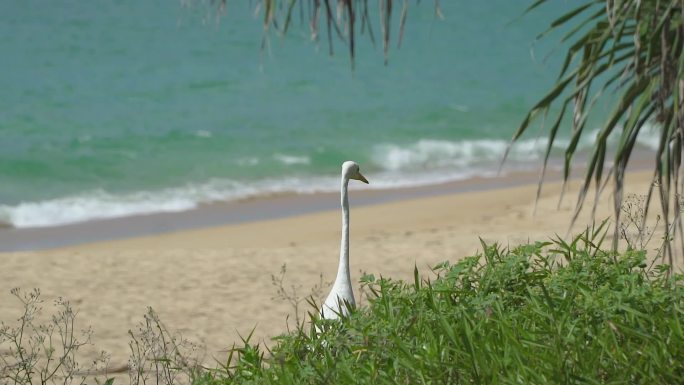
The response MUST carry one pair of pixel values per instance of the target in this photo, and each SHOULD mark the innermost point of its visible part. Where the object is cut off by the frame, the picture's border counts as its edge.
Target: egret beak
(362, 178)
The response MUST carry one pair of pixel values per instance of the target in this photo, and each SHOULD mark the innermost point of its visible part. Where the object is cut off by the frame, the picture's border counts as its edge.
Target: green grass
(543, 313)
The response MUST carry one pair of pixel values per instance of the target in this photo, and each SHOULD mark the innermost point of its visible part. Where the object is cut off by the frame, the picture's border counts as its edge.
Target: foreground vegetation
(548, 312)
(539, 313)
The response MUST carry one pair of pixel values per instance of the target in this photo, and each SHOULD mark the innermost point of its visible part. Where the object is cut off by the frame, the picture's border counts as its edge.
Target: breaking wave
(423, 162)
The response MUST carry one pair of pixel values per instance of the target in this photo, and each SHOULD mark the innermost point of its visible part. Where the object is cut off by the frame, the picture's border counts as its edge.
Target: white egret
(341, 295)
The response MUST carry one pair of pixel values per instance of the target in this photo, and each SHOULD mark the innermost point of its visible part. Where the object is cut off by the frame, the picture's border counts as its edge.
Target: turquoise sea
(112, 108)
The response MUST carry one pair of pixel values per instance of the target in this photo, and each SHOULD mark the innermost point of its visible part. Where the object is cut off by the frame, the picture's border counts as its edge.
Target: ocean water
(113, 108)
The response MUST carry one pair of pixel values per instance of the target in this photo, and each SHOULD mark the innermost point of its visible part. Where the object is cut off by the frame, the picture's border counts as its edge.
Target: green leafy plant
(547, 312)
(632, 49)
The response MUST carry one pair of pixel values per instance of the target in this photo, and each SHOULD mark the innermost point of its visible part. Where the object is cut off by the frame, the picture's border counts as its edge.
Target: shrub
(549, 312)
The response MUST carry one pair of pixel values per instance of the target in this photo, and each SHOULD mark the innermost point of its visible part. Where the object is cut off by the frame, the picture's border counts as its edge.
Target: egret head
(351, 171)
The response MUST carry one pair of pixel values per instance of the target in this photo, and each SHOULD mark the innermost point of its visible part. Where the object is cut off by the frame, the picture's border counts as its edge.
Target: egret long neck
(343, 269)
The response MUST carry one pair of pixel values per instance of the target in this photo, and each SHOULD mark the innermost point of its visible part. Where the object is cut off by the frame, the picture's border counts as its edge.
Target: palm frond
(634, 48)
(343, 18)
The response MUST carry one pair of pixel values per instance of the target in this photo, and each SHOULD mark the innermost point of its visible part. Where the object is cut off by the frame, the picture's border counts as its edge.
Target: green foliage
(539, 313)
(632, 48)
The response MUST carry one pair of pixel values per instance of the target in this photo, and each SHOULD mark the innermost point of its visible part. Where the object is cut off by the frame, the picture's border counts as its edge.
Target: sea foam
(428, 154)
(424, 162)
(98, 204)
(291, 159)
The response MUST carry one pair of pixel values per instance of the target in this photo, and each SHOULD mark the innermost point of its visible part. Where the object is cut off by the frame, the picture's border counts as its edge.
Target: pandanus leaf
(635, 48)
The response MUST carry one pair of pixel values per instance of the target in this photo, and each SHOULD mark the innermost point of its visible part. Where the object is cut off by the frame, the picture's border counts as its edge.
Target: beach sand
(214, 284)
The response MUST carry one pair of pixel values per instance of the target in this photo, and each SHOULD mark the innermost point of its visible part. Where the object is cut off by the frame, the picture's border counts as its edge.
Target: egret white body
(341, 295)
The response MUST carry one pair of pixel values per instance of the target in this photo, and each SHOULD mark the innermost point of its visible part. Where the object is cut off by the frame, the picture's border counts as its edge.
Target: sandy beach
(213, 284)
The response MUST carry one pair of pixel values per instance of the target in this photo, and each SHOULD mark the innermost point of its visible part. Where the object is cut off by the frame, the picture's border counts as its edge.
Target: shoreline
(251, 210)
(215, 284)
(248, 210)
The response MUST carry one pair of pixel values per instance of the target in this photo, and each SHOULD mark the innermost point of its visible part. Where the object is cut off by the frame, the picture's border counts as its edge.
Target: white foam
(96, 204)
(649, 136)
(248, 161)
(424, 162)
(428, 154)
(100, 204)
(203, 134)
(291, 159)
